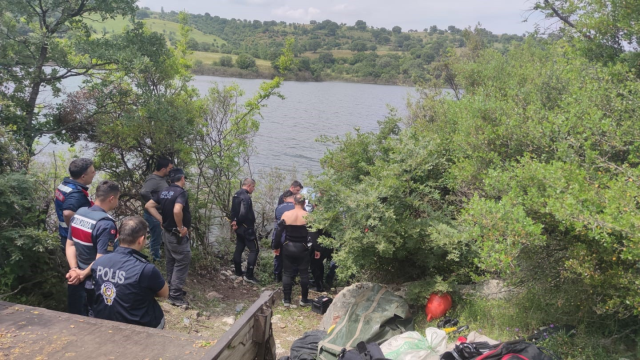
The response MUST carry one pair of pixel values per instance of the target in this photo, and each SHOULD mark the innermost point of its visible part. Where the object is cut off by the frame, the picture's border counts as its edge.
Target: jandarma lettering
(83, 223)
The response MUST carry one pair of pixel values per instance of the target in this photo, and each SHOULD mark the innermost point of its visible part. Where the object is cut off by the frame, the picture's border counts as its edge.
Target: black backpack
(514, 350)
(362, 351)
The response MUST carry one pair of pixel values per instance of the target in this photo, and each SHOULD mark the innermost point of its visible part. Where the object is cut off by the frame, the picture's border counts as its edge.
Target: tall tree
(43, 42)
(607, 31)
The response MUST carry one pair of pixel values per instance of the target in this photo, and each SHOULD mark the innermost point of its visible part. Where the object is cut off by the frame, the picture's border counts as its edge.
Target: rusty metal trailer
(33, 333)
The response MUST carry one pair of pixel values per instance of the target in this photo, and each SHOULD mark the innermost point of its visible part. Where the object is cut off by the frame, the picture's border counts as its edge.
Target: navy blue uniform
(126, 285)
(93, 232)
(70, 195)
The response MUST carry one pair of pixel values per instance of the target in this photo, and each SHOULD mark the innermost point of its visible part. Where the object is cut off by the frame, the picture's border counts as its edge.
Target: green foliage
(222, 146)
(524, 313)
(245, 62)
(138, 113)
(29, 255)
(530, 176)
(604, 31)
(35, 36)
(226, 61)
(384, 197)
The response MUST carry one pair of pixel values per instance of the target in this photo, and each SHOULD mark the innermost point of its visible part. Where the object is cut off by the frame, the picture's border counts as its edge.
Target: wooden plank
(241, 328)
(28, 333)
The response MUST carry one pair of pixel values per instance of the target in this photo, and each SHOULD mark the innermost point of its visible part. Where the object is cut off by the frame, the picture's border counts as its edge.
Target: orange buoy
(437, 306)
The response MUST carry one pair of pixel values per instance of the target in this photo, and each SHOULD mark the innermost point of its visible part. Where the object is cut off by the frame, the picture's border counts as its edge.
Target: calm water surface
(290, 127)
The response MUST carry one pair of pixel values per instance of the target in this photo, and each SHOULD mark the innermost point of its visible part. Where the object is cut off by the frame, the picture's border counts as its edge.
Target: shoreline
(300, 77)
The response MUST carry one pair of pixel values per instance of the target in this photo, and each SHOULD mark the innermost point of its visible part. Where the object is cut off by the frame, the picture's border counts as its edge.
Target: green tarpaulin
(376, 316)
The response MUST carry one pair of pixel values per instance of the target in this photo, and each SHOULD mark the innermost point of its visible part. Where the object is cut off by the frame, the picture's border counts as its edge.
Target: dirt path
(218, 300)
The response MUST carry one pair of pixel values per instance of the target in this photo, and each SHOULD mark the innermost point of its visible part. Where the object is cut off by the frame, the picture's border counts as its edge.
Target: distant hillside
(169, 28)
(325, 50)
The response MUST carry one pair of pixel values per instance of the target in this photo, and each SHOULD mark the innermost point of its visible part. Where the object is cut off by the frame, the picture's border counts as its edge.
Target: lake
(290, 127)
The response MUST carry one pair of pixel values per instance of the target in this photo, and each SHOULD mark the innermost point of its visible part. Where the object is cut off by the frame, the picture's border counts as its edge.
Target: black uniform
(177, 248)
(295, 254)
(244, 216)
(317, 265)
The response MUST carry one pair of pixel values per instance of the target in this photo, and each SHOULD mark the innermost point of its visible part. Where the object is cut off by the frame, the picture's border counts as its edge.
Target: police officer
(281, 209)
(92, 234)
(126, 284)
(173, 202)
(154, 184)
(243, 222)
(73, 194)
(295, 188)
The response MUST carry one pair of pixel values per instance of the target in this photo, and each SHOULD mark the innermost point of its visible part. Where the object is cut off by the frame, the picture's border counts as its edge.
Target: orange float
(437, 306)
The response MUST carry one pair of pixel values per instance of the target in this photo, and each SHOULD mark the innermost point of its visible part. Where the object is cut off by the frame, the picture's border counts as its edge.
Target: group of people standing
(110, 278)
(296, 248)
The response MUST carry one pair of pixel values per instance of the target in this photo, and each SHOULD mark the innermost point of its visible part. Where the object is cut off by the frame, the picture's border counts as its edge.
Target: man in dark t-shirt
(126, 283)
(173, 202)
(154, 184)
(295, 188)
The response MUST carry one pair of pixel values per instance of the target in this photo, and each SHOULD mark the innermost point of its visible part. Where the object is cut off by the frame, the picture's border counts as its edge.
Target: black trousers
(296, 259)
(317, 266)
(246, 238)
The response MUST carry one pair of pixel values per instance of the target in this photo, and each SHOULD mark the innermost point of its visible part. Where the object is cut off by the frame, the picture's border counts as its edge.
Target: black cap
(177, 172)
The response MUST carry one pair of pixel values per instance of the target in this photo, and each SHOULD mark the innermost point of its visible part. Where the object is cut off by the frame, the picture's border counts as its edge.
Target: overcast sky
(498, 16)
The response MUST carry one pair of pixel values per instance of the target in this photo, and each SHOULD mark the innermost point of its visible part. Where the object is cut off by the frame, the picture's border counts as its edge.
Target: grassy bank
(267, 74)
(593, 338)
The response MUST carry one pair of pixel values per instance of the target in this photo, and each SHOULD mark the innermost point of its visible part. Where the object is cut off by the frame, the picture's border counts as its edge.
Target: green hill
(162, 26)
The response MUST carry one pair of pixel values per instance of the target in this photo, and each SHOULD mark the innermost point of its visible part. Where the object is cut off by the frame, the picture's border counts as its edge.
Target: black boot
(248, 277)
(238, 268)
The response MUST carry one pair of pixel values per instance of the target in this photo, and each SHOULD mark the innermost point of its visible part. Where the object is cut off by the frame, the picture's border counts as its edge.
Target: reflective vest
(83, 224)
(119, 296)
(62, 192)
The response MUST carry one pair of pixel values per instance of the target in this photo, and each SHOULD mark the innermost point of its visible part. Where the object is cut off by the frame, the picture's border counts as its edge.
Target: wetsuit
(244, 216)
(295, 254)
(317, 265)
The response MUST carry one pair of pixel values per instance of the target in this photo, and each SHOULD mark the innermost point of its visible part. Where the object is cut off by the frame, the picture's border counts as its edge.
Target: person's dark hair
(176, 178)
(163, 163)
(287, 194)
(175, 175)
(106, 189)
(297, 183)
(248, 181)
(78, 167)
(131, 229)
(299, 199)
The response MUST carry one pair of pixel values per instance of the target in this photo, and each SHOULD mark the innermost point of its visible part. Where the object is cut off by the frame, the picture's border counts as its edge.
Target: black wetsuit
(317, 265)
(242, 213)
(295, 253)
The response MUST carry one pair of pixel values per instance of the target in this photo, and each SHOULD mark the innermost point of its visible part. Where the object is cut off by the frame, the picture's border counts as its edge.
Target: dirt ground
(217, 300)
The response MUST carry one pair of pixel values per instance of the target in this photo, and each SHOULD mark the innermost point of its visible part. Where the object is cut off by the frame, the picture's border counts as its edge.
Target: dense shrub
(226, 61)
(245, 62)
(532, 176)
(30, 257)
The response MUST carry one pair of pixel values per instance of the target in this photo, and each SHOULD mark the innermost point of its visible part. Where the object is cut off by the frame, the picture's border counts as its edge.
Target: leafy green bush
(245, 62)
(226, 61)
(30, 270)
(531, 176)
